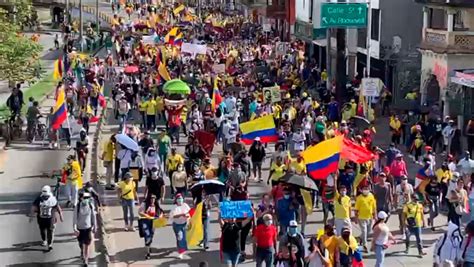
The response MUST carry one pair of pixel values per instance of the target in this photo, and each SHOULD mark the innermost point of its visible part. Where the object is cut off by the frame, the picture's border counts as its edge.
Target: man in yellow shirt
(142, 109)
(365, 210)
(298, 165)
(151, 114)
(414, 219)
(342, 208)
(108, 156)
(74, 179)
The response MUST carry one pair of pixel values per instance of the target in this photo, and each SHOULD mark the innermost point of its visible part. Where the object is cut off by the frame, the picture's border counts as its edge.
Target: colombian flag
(263, 127)
(171, 34)
(177, 40)
(323, 158)
(178, 10)
(422, 178)
(163, 72)
(216, 95)
(58, 69)
(195, 232)
(60, 110)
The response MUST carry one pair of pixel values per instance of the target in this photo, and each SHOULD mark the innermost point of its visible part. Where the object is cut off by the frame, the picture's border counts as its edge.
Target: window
(438, 19)
(458, 21)
(375, 24)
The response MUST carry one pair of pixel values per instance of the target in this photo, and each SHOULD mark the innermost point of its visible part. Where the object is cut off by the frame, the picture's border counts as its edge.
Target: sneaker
(50, 247)
(50, 146)
(147, 256)
(422, 253)
(44, 244)
(131, 228)
(180, 256)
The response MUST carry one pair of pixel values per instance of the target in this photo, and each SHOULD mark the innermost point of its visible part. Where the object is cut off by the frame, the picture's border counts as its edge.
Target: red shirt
(265, 235)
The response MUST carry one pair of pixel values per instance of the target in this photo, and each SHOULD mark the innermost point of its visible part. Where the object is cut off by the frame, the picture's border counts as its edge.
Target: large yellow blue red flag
(178, 10)
(323, 158)
(263, 127)
(60, 110)
(195, 232)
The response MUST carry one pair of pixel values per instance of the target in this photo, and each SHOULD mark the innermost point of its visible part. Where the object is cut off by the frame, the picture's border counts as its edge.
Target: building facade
(447, 49)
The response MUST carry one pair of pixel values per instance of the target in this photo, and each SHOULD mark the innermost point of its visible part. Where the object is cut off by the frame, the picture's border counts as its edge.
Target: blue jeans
(416, 231)
(180, 234)
(379, 255)
(265, 255)
(231, 257)
(205, 224)
(127, 207)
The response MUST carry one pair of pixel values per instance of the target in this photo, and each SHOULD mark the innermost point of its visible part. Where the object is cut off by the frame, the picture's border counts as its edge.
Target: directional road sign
(341, 15)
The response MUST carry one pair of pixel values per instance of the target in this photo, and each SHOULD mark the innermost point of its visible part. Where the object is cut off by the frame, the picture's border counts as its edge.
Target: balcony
(453, 3)
(441, 41)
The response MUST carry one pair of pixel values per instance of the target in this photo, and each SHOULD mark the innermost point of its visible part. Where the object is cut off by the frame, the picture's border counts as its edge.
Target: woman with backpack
(448, 246)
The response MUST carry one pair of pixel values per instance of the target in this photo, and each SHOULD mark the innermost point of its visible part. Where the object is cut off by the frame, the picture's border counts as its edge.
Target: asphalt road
(25, 168)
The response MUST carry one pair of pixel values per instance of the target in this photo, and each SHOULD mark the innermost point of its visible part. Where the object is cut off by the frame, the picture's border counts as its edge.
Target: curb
(101, 248)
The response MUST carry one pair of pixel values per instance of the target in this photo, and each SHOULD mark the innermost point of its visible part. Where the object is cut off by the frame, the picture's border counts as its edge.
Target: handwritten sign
(218, 68)
(236, 209)
(193, 48)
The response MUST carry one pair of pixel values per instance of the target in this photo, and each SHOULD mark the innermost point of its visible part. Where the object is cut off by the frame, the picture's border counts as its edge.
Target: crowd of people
(224, 89)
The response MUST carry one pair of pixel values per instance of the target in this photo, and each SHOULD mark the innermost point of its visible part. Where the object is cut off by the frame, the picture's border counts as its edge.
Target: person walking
(448, 246)
(84, 224)
(466, 255)
(74, 177)
(46, 207)
(342, 208)
(365, 210)
(149, 211)
(107, 157)
(432, 197)
(457, 197)
(265, 239)
(257, 156)
(380, 238)
(291, 248)
(180, 217)
(414, 218)
(127, 194)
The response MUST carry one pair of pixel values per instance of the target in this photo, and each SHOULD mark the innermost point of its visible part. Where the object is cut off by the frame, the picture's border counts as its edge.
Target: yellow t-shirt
(160, 104)
(365, 205)
(443, 176)
(415, 210)
(127, 190)
(342, 207)
(299, 168)
(151, 107)
(173, 161)
(109, 151)
(278, 171)
(142, 106)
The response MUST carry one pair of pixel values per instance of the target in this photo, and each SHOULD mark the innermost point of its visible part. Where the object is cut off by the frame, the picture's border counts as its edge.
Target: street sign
(343, 15)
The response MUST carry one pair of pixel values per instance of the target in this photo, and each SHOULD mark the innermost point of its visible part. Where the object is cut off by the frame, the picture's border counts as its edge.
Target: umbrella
(361, 122)
(127, 142)
(301, 181)
(131, 69)
(211, 187)
(176, 86)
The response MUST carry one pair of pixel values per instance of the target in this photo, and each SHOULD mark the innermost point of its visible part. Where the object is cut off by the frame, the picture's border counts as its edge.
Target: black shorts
(45, 223)
(85, 236)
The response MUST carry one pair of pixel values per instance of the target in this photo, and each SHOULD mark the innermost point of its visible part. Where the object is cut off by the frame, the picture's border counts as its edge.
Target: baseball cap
(257, 139)
(293, 223)
(127, 175)
(382, 215)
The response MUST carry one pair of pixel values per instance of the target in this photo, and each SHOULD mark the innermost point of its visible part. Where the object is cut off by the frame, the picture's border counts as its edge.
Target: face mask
(151, 154)
(292, 231)
(179, 201)
(343, 193)
(345, 236)
(269, 222)
(365, 192)
(404, 182)
(286, 196)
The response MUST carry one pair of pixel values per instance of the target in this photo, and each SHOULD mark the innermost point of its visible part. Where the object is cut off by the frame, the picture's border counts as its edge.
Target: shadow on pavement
(74, 261)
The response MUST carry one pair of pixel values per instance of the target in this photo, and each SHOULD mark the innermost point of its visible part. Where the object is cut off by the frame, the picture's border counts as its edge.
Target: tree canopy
(19, 54)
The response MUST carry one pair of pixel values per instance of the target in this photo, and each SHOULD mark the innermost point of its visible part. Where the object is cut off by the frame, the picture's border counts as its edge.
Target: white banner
(194, 48)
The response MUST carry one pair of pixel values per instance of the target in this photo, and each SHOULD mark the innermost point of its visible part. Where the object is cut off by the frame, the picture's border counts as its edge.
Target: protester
(180, 216)
(127, 195)
(380, 238)
(265, 238)
(414, 218)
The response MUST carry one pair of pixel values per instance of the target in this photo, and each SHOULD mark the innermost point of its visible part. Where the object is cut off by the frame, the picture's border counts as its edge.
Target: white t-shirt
(401, 194)
(183, 209)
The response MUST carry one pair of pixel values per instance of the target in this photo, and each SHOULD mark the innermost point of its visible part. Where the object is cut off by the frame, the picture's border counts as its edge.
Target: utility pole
(369, 37)
(81, 27)
(97, 21)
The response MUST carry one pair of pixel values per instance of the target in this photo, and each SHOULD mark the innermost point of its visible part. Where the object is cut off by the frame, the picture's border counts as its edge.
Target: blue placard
(236, 209)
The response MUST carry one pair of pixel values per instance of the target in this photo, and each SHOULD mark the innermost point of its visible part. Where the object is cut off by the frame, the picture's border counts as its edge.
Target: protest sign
(371, 86)
(281, 48)
(273, 93)
(236, 209)
(194, 48)
(218, 68)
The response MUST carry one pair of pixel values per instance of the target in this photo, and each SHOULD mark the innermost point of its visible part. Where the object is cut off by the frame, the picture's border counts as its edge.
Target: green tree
(19, 55)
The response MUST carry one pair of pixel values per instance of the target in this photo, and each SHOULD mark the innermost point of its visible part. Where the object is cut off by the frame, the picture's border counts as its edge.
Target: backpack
(445, 237)
(123, 106)
(45, 210)
(411, 217)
